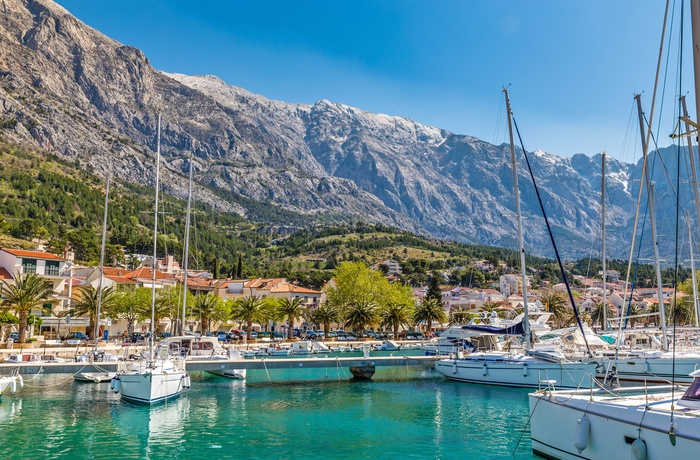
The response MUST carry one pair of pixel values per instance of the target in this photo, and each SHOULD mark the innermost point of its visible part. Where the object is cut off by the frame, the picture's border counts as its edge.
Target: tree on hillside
(434, 291)
(29, 292)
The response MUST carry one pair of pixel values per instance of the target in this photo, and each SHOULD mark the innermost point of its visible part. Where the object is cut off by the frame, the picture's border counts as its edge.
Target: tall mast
(652, 215)
(102, 266)
(691, 157)
(695, 27)
(187, 249)
(516, 191)
(692, 268)
(155, 246)
(603, 256)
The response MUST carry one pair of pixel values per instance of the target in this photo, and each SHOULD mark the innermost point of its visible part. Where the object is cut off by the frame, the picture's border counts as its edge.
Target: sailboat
(639, 422)
(97, 355)
(534, 367)
(159, 375)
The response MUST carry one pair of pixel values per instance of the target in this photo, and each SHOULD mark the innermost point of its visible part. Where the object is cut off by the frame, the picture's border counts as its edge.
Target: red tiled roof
(119, 279)
(32, 254)
(147, 273)
(292, 288)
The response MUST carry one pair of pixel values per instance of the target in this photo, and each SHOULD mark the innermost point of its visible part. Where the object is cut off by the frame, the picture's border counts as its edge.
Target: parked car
(14, 336)
(222, 336)
(75, 338)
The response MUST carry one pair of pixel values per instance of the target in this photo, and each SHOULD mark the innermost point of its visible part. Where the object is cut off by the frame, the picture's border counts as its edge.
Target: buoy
(583, 429)
(639, 449)
(524, 369)
(96, 379)
(21, 381)
(485, 369)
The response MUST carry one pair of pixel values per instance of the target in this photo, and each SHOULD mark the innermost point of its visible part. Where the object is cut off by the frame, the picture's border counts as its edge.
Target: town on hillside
(56, 320)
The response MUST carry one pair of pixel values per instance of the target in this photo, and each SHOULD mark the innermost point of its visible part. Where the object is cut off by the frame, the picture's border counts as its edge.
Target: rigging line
(551, 237)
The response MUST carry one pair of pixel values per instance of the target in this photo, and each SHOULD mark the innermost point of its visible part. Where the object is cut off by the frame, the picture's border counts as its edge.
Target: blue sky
(573, 66)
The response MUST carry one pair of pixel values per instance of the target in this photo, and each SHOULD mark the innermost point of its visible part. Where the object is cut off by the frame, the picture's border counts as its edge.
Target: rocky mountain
(74, 92)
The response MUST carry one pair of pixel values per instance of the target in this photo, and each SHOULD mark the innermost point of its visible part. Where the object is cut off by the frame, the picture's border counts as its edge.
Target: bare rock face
(68, 89)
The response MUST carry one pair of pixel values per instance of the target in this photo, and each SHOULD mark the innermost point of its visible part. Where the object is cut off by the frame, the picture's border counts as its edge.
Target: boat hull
(94, 377)
(654, 370)
(612, 428)
(517, 373)
(151, 382)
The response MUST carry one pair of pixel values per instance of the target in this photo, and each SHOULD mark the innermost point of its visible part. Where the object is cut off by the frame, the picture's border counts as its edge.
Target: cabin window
(28, 266)
(693, 392)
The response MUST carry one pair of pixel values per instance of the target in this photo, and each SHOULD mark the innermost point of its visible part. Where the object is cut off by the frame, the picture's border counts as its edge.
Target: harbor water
(423, 416)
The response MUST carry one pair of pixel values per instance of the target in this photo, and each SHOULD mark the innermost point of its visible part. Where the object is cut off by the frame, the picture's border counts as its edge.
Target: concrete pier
(310, 362)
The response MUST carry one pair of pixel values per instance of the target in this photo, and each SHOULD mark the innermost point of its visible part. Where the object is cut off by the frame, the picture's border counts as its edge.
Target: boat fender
(13, 386)
(454, 367)
(96, 379)
(111, 383)
(583, 429)
(21, 381)
(186, 381)
(639, 449)
(485, 370)
(524, 369)
(116, 385)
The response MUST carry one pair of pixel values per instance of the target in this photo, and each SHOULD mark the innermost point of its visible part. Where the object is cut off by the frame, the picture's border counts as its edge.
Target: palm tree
(430, 310)
(681, 311)
(208, 308)
(460, 316)
(397, 314)
(362, 314)
(168, 305)
(325, 315)
(291, 309)
(26, 294)
(555, 304)
(87, 303)
(249, 309)
(597, 314)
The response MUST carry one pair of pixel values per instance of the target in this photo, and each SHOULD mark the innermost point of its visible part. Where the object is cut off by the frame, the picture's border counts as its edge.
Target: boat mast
(187, 247)
(692, 268)
(691, 157)
(695, 27)
(602, 231)
(526, 318)
(155, 247)
(652, 215)
(102, 266)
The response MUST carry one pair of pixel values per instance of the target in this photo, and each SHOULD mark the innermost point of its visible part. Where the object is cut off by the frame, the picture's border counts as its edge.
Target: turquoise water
(428, 417)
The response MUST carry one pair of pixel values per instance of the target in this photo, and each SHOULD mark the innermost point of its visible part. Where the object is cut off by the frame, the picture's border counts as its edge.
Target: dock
(310, 362)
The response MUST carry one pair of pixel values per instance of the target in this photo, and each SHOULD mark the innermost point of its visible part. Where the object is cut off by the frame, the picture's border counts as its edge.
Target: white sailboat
(533, 368)
(159, 375)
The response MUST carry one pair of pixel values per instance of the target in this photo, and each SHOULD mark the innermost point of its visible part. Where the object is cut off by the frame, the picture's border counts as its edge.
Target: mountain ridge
(74, 92)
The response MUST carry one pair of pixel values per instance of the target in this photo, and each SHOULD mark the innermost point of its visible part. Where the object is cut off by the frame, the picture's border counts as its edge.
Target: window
(28, 266)
(51, 268)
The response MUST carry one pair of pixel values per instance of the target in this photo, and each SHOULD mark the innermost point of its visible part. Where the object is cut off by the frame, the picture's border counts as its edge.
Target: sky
(572, 67)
